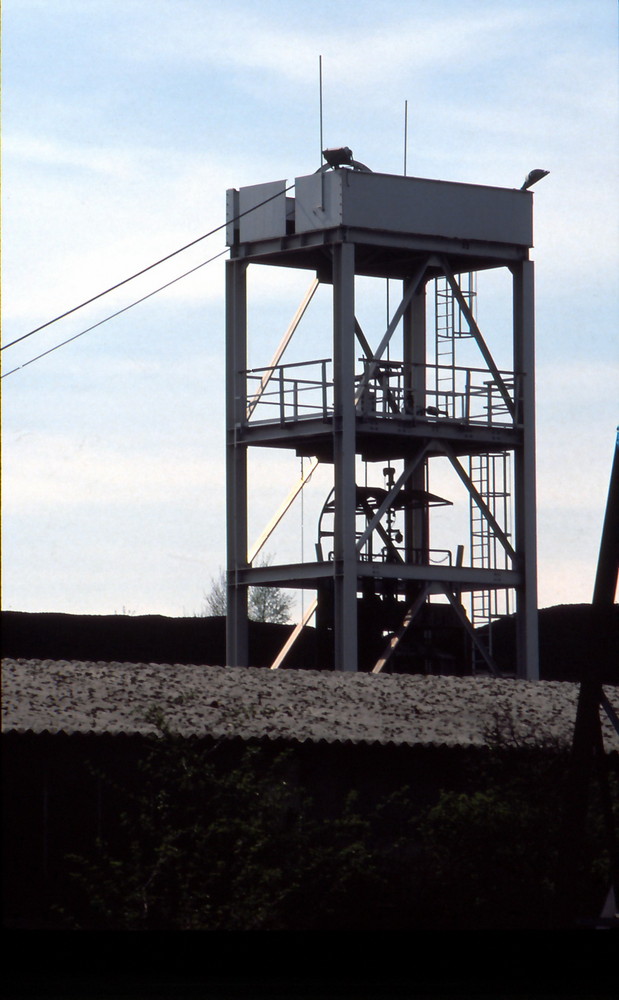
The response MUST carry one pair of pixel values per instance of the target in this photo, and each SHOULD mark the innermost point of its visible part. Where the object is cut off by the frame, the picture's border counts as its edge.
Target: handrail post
(324, 389)
(282, 399)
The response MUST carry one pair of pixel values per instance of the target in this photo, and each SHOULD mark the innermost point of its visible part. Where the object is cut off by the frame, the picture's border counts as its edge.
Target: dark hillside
(572, 637)
(140, 639)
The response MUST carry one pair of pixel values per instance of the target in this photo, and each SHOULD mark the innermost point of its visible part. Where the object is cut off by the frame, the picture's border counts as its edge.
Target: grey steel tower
(395, 402)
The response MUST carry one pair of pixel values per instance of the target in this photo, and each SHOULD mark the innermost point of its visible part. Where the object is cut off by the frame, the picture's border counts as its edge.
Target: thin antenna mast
(320, 100)
(322, 179)
(405, 133)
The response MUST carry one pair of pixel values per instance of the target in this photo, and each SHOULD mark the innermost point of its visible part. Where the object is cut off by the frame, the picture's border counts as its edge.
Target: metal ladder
(449, 326)
(490, 474)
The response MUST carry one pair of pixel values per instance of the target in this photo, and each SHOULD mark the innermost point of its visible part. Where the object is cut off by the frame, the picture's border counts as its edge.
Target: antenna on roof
(405, 133)
(322, 182)
(320, 104)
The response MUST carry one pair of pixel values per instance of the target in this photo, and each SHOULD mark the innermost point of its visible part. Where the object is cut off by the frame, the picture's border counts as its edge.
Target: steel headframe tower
(392, 407)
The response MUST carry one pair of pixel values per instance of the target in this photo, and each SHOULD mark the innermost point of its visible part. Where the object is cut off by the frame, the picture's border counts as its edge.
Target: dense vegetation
(201, 846)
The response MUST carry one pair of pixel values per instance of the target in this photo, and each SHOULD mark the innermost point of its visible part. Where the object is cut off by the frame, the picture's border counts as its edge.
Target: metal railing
(304, 389)
(290, 392)
(393, 387)
(420, 557)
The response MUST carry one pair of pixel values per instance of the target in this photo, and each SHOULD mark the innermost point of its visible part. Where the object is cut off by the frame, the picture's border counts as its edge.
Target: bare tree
(265, 604)
(216, 599)
(269, 604)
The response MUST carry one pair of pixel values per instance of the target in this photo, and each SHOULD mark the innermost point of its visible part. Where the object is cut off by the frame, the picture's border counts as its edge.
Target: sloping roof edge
(254, 703)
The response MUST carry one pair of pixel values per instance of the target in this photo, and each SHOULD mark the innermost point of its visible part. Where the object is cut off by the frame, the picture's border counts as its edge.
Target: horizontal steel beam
(306, 250)
(484, 436)
(461, 577)
(301, 575)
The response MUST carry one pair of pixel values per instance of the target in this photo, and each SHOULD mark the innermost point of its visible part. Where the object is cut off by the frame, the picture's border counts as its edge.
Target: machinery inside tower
(433, 641)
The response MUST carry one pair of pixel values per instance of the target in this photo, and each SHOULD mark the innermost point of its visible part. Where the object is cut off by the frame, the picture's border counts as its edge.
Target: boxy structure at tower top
(397, 406)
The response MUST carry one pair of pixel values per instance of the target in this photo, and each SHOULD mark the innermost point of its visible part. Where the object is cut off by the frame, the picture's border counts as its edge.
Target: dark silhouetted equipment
(589, 761)
(533, 177)
(342, 156)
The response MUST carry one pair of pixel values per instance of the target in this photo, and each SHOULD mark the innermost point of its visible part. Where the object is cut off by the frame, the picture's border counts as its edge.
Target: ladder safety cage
(450, 325)
(490, 474)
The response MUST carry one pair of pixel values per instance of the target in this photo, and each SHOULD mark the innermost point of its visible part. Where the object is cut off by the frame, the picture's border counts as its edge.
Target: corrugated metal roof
(86, 697)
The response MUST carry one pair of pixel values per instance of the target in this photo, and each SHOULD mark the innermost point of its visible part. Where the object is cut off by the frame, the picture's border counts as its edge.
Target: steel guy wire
(113, 315)
(138, 274)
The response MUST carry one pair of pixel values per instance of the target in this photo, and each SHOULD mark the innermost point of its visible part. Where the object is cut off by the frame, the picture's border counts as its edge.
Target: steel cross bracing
(398, 413)
(489, 474)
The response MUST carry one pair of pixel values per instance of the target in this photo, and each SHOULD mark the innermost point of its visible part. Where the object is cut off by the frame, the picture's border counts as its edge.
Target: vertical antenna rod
(320, 99)
(405, 133)
(322, 182)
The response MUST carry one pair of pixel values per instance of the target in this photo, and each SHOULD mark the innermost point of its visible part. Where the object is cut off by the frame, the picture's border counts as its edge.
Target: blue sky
(123, 126)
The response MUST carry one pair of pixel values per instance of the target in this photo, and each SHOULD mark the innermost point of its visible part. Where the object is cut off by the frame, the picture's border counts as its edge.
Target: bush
(202, 847)
(213, 843)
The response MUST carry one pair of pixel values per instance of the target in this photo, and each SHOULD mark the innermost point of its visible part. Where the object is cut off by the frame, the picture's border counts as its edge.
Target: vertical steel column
(524, 473)
(414, 354)
(237, 652)
(345, 556)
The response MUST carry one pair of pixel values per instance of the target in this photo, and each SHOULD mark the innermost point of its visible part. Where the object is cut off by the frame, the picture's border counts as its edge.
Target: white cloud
(117, 164)
(101, 479)
(357, 52)
(70, 235)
